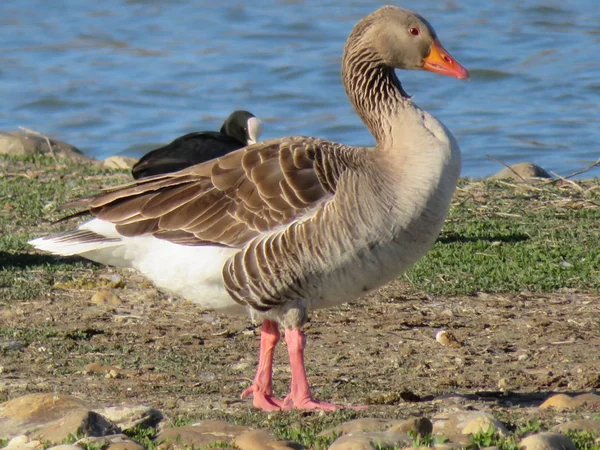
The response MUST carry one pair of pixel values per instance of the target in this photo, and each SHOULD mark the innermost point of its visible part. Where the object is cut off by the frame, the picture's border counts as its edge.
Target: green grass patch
(501, 237)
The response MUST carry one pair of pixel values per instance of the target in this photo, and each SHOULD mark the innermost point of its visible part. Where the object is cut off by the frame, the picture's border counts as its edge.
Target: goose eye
(414, 31)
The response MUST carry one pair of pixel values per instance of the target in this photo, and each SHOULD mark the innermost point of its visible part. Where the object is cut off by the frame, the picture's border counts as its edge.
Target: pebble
(547, 441)
(562, 402)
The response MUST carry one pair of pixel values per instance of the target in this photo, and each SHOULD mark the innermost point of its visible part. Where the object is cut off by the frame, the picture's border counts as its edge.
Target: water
(124, 76)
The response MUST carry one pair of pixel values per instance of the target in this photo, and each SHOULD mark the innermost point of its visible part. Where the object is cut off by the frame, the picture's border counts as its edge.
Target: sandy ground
(380, 351)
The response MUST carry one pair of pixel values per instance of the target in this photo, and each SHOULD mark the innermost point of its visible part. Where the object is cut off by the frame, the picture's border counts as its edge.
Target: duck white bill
(254, 130)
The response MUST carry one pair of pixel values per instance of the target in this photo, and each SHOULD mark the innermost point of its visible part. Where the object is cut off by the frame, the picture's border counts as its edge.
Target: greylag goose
(287, 225)
(240, 129)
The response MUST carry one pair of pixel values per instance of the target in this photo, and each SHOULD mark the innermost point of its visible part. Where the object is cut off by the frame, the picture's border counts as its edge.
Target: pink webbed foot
(309, 403)
(262, 400)
(300, 396)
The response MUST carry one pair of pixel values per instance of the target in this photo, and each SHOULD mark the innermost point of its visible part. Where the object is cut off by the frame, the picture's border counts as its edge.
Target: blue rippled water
(124, 76)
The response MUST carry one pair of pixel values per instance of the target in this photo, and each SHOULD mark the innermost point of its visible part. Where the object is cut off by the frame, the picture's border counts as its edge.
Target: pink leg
(262, 387)
(300, 396)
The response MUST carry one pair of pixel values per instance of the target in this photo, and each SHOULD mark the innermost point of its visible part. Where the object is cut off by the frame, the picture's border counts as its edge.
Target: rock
(205, 432)
(371, 441)
(87, 423)
(105, 297)
(16, 143)
(129, 417)
(119, 162)
(593, 426)
(523, 171)
(24, 415)
(466, 422)
(417, 426)
(264, 440)
(562, 402)
(547, 441)
(22, 442)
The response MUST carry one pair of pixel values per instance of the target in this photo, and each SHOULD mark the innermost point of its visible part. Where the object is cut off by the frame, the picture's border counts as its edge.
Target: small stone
(371, 441)
(119, 162)
(547, 441)
(523, 171)
(593, 426)
(264, 440)
(11, 345)
(112, 373)
(105, 297)
(129, 417)
(418, 426)
(447, 339)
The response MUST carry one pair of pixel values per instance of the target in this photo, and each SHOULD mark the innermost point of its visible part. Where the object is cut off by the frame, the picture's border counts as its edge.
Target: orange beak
(440, 61)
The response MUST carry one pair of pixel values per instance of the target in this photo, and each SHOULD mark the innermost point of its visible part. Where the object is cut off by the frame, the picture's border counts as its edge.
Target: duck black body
(240, 129)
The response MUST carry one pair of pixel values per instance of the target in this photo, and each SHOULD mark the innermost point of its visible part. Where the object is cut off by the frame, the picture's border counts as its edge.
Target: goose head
(402, 39)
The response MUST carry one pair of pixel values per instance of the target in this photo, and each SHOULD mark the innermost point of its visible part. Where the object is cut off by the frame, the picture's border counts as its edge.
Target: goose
(240, 129)
(285, 226)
